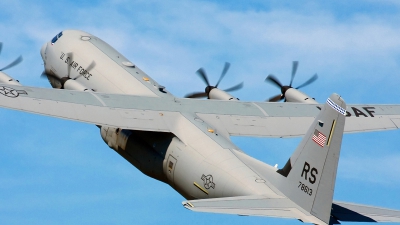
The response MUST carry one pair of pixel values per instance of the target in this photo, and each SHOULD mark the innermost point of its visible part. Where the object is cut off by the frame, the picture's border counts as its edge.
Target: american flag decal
(319, 138)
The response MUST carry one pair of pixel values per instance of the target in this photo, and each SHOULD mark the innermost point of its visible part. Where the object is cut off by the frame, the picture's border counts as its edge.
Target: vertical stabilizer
(310, 173)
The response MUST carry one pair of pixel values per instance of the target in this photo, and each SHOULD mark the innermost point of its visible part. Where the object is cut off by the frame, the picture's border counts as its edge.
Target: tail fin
(311, 170)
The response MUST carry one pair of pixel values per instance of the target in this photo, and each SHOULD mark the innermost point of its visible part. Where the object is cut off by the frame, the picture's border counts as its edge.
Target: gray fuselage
(207, 167)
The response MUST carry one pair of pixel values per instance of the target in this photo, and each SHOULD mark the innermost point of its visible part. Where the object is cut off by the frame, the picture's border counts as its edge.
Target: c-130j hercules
(186, 142)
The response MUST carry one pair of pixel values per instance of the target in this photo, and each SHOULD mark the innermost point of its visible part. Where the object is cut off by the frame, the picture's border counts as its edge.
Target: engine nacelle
(218, 94)
(294, 95)
(75, 85)
(4, 78)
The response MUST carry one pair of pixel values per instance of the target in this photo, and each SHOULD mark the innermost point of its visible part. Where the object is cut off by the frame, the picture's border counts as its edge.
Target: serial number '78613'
(304, 188)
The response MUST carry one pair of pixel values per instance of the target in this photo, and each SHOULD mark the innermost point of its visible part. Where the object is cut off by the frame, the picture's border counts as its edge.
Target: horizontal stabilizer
(284, 208)
(351, 212)
(252, 206)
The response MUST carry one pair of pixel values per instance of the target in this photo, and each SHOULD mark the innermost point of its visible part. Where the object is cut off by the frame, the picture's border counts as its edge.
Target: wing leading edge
(145, 113)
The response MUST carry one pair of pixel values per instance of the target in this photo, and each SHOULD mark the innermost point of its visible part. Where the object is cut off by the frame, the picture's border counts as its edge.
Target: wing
(99, 109)
(153, 113)
(361, 213)
(265, 119)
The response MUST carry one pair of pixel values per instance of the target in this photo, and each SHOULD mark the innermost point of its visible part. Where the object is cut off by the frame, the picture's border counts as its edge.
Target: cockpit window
(56, 38)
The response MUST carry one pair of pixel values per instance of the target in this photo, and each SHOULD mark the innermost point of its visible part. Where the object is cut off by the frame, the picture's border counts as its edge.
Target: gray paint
(152, 129)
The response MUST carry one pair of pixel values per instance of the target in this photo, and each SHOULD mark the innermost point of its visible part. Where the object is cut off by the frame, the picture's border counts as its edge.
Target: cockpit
(56, 38)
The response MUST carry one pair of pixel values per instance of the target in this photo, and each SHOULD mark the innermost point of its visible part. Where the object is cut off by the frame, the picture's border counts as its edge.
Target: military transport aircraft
(186, 142)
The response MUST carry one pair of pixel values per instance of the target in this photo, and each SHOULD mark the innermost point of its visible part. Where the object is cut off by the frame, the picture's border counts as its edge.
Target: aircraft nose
(43, 51)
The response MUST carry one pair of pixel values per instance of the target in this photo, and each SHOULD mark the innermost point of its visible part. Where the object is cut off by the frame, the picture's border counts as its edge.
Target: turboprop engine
(212, 92)
(289, 93)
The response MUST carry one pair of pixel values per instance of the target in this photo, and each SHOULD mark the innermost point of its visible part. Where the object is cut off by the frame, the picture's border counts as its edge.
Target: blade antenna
(1, 46)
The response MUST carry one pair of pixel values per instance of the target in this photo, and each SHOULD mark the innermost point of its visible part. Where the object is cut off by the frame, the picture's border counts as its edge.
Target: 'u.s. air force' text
(74, 65)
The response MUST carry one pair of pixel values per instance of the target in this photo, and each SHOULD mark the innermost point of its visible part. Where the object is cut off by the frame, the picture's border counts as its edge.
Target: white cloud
(383, 170)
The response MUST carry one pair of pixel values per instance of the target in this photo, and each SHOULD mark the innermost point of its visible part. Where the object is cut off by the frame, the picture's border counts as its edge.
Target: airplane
(186, 143)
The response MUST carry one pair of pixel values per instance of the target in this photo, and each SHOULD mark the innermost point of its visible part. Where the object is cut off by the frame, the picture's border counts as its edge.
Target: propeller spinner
(273, 80)
(202, 73)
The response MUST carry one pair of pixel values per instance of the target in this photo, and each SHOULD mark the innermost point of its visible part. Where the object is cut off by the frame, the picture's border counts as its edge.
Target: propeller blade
(312, 79)
(70, 55)
(203, 76)
(294, 70)
(43, 75)
(16, 62)
(1, 46)
(234, 88)
(276, 98)
(89, 68)
(273, 80)
(226, 68)
(196, 95)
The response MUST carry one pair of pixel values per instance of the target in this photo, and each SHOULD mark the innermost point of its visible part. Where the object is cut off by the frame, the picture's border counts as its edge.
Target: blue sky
(60, 172)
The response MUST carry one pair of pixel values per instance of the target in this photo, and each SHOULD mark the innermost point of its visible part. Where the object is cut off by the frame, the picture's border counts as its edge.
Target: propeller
(70, 56)
(273, 80)
(13, 63)
(202, 73)
(62, 80)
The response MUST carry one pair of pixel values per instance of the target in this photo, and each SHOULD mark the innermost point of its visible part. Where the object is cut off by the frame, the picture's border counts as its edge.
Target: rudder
(311, 170)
